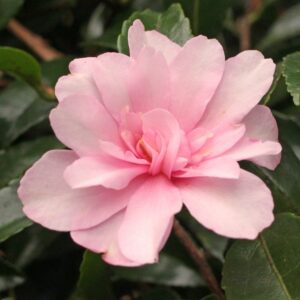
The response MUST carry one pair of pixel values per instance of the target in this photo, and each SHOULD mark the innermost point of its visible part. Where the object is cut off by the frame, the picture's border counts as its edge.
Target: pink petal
(237, 208)
(138, 38)
(80, 122)
(48, 199)
(110, 73)
(196, 72)
(217, 167)
(79, 82)
(148, 215)
(247, 77)
(260, 143)
(108, 172)
(149, 82)
(103, 239)
(161, 121)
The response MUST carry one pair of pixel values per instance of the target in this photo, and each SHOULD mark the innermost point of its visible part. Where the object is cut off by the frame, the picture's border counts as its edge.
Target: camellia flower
(150, 133)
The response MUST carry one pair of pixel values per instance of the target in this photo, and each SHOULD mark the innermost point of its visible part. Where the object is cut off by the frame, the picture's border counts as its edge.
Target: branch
(35, 42)
(199, 258)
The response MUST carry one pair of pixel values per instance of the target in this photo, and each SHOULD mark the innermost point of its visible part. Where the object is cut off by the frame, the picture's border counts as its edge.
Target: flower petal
(148, 215)
(79, 82)
(217, 167)
(247, 77)
(138, 38)
(48, 199)
(149, 81)
(80, 122)
(196, 72)
(110, 73)
(103, 239)
(108, 172)
(237, 208)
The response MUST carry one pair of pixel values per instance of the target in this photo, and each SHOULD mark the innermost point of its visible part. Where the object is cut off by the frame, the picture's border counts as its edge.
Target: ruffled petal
(49, 200)
(148, 215)
(237, 208)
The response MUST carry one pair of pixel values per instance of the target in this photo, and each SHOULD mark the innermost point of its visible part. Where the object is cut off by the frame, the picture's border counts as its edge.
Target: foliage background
(38, 264)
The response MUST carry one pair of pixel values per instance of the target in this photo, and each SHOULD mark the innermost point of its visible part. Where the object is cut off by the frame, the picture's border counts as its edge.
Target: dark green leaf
(267, 268)
(291, 72)
(172, 23)
(160, 293)
(10, 276)
(94, 283)
(8, 9)
(12, 218)
(21, 65)
(20, 109)
(168, 271)
(16, 159)
(285, 27)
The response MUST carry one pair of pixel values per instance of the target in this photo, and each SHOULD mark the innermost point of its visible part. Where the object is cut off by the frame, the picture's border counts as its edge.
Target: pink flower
(149, 133)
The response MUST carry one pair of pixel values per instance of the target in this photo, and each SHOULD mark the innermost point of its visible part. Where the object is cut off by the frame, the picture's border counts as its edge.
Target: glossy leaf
(24, 66)
(20, 110)
(168, 271)
(287, 26)
(94, 283)
(291, 72)
(16, 159)
(160, 293)
(12, 218)
(172, 23)
(267, 268)
(8, 9)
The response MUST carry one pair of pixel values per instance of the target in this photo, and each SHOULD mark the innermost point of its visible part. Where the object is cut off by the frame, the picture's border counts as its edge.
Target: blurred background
(38, 264)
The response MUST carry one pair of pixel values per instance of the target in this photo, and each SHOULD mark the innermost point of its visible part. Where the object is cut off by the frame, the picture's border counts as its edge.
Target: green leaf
(16, 159)
(24, 66)
(171, 23)
(20, 110)
(10, 276)
(168, 271)
(94, 283)
(160, 293)
(287, 26)
(12, 218)
(213, 243)
(266, 268)
(291, 72)
(8, 9)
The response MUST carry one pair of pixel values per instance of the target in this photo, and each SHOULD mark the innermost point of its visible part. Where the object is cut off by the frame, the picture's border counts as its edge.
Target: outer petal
(260, 143)
(103, 239)
(110, 73)
(247, 77)
(147, 219)
(217, 167)
(149, 81)
(108, 172)
(138, 38)
(196, 72)
(49, 201)
(79, 82)
(80, 122)
(237, 208)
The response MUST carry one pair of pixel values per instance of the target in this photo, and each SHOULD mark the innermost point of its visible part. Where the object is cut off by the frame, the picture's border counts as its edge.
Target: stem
(35, 42)
(199, 258)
